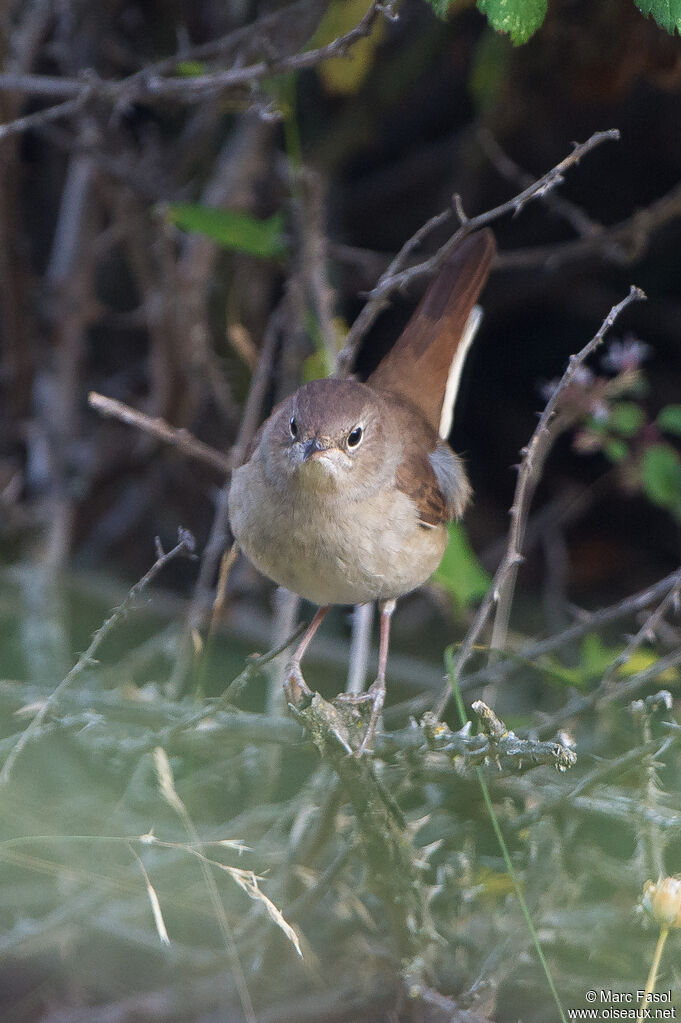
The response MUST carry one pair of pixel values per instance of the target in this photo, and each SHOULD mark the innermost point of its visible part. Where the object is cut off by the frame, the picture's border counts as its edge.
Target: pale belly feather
(333, 551)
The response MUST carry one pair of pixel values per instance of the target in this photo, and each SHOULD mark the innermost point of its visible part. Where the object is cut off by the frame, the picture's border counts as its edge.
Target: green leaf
(490, 67)
(460, 573)
(616, 450)
(626, 418)
(595, 659)
(666, 13)
(190, 68)
(232, 230)
(518, 18)
(662, 476)
(669, 419)
(316, 366)
(441, 7)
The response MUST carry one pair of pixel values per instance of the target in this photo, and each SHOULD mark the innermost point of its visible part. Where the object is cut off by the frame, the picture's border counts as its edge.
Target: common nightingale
(349, 486)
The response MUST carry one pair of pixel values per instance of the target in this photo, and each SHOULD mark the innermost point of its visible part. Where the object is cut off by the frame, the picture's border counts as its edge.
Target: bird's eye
(355, 437)
(293, 427)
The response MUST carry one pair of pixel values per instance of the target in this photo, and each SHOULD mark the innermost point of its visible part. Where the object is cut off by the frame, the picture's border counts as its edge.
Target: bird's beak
(312, 447)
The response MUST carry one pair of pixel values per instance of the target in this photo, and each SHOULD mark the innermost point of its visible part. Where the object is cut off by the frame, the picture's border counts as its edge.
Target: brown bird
(346, 496)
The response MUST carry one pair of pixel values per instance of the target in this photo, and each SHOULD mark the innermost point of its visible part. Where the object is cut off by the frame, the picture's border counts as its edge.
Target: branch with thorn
(500, 593)
(495, 743)
(395, 278)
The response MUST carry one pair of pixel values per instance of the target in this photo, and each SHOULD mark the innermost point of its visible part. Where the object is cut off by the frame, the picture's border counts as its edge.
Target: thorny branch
(530, 471)
(494, 743)
(395, 279)
(500, 593)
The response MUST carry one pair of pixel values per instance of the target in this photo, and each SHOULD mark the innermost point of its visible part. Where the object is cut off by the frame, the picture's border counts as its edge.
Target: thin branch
(623, 243)
(148, 85)
(370, 311)
(558, 204)
(45, 116)
(397, 279)
(161, 430)
(185, 545)
(645, 633)
(202, 598)
(604, 695)
(534, 457)
(501, 591)
(588, 622)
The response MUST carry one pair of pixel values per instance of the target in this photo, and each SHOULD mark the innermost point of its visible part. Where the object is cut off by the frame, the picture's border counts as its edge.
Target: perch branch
(390, 857)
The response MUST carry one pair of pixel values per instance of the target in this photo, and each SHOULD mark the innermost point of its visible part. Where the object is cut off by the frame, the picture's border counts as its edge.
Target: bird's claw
(375, 695)
(296, 688)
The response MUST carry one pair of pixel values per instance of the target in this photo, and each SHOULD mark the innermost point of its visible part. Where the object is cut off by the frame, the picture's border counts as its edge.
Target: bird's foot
(375, 695)
(296, 688)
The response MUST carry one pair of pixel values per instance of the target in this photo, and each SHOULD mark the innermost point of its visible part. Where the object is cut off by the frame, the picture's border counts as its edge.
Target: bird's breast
(329, 549)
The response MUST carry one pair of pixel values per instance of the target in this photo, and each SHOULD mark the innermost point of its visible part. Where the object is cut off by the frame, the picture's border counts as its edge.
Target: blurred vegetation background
(193, 207)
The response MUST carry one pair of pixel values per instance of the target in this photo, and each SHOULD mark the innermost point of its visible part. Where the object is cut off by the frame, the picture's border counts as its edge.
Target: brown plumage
(418, 365)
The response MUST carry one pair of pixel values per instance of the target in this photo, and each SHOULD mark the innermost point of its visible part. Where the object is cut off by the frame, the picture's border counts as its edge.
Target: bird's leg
(293, 679)
(376, 690)
(375, 694)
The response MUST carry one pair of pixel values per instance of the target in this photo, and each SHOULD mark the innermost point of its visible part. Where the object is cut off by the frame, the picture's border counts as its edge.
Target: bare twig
(373, 307)
(646, 631)
(531, 468)
(588, 622)
(395, 279)
(618, 766)
(70, 279)
(158, 428)
(602, 696)
(185, 545)
(202, 598)
(622, 243)
(45, 116)
(148, 86)
(574, 215)
(313, 248)
(501, 591)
